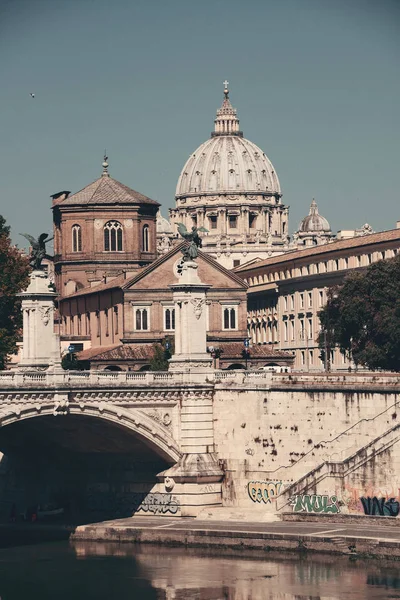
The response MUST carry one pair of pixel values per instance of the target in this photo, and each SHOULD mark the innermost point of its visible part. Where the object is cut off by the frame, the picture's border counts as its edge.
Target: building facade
(287, 292)
(230, 187)
(122, 318)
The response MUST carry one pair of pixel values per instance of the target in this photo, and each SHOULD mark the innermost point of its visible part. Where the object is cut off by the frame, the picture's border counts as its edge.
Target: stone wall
(343, 433)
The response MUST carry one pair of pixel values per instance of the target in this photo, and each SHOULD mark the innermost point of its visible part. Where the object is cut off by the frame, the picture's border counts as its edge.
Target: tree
(362, 317)
(14, 278)
(70, 362)
(161, 356)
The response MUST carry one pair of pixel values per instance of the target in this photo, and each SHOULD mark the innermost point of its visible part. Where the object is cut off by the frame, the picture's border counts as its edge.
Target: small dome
(314, 222)
(163, 225)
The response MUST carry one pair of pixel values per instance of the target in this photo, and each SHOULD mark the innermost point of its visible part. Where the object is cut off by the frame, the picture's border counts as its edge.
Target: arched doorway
(235, 366)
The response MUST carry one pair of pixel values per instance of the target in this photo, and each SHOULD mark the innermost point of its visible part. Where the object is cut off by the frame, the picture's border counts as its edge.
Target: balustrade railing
(51, 379)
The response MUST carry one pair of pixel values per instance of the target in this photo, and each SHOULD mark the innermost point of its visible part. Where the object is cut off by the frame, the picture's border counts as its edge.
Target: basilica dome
(314, 222)
(227, 163)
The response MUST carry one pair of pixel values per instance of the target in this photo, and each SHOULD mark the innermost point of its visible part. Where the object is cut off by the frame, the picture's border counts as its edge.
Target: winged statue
(190, 252)
(38, 249)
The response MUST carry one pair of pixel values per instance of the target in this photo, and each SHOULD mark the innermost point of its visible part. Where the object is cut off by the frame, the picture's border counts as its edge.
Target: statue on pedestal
(38, 249)
(190, 252)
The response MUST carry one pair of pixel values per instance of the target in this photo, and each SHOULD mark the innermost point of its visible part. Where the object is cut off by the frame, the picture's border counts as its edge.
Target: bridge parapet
(51, 379)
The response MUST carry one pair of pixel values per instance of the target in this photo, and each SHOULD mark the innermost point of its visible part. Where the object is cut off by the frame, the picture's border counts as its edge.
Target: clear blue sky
(315, 82)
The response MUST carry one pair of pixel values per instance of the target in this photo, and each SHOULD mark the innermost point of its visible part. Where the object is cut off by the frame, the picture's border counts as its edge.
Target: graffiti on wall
(371, 501)
(315, 503)
(129, 503)
(264, 491)
(159, 503)
(381, 507)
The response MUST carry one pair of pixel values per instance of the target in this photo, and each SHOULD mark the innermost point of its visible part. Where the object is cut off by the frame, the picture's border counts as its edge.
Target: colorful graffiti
(315, 503)
(264, 491)
(353, 503)
(159, 503)
(382, 507)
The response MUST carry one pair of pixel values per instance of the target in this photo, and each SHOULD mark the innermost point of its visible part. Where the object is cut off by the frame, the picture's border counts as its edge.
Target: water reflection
(120, 572)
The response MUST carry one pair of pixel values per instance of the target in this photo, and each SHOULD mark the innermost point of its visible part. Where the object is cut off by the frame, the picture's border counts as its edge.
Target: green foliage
(70, 362)
(14, 278)
(162, 353)
(362, 317)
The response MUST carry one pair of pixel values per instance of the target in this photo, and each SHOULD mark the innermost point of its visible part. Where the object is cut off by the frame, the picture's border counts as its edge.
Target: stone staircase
(339, 469)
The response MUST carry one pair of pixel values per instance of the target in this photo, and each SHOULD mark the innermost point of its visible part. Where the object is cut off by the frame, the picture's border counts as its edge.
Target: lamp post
(246, 343)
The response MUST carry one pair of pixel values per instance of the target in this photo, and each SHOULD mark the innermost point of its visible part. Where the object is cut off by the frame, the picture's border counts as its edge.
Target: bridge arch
(155, 436)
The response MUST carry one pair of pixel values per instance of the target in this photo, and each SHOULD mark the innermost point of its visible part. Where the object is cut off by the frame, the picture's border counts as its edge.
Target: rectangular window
(301, 300)
(87, 324)
(213, 222)
(106, 320)
(292, 330)
(142, 318)
(285, 302)
(285, 331)
(116, 323)
(311, 357)
(310, 299)
(321, 297)
(229, 317)
(232, 219)
(252, 221)
(292, 302)
(169, 319)
(302, 357)
(302, 333)
(310, 329)
(236, 263)
(98, 323)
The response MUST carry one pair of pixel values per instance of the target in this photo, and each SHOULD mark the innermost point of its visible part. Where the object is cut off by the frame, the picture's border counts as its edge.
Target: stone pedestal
(189, 296)
(195, 480)
(41, 348)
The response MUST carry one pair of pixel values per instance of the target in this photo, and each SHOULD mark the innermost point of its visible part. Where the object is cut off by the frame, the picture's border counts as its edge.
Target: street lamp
(246, 351)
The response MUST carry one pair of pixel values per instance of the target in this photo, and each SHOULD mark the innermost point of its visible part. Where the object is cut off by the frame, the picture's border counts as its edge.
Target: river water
(62, 570)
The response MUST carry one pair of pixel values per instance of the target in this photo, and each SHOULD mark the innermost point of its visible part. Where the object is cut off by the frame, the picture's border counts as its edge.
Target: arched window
(145, 239)
(113, 236)
(229, 318)
(169, 319)
(76, 238)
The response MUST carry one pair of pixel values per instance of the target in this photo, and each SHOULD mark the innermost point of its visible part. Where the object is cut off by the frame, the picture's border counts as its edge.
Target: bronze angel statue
(190, 252)
(38, 249)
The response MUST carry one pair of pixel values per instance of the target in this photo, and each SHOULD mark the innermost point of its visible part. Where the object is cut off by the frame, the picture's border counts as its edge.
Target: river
(86, 571)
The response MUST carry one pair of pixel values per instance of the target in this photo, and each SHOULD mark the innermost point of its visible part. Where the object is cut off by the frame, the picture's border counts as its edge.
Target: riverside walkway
(381, 539)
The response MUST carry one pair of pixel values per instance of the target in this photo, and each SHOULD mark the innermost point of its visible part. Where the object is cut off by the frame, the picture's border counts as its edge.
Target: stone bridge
(176, 443)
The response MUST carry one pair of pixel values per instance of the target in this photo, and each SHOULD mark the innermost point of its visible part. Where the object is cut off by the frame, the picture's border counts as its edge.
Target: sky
(315, 82)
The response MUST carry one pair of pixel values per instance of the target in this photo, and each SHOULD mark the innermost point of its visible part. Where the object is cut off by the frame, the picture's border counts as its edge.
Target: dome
(227, 163)
(163, 225)
(314, 221)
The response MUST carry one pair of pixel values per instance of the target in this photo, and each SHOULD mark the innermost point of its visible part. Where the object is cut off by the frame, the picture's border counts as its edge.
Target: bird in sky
(32, 94)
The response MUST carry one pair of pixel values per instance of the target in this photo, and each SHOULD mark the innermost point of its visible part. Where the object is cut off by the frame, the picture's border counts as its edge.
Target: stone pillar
(41, 348)
(189, 297)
